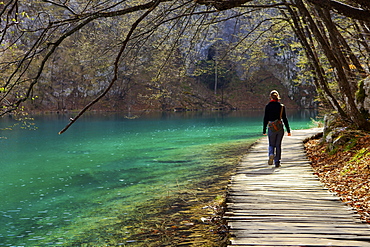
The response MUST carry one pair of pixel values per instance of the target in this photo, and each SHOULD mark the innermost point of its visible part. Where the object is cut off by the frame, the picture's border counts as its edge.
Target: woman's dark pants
(275, 139)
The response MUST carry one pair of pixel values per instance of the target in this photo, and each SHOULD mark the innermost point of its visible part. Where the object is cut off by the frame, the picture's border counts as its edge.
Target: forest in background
(64, 55)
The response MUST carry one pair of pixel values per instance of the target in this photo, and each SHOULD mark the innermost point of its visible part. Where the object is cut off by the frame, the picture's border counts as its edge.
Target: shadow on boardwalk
(288, 206)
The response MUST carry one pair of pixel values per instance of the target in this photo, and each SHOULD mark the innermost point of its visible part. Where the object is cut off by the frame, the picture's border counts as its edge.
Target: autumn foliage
(345, 171)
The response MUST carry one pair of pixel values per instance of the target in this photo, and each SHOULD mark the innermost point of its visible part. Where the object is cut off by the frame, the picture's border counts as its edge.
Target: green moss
(362, 153)
(361, 94)
(350, 144)
(332, 151)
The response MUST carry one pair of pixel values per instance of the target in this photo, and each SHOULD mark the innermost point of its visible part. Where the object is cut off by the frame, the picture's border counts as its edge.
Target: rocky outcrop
(363, 95)
(283, 64)
(281, 61)
(337, 135)
(367, 94)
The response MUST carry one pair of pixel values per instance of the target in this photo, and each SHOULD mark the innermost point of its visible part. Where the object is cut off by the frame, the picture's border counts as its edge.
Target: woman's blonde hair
(274, 95)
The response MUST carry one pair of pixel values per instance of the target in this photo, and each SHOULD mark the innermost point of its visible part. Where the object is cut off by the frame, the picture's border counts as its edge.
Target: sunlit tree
(106, 44)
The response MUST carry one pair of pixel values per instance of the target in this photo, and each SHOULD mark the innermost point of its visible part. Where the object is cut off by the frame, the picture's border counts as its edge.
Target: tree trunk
(307, 42)
(337, 60)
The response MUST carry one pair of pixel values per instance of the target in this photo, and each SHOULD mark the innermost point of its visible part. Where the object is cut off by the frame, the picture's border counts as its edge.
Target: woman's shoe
(271, 159)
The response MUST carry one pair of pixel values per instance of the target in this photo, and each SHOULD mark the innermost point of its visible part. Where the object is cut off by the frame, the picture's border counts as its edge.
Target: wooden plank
(291, 226)
(316, 229)
(286, 241)
(300, 219)
(267, 212)
(303, 235)
(287, 206)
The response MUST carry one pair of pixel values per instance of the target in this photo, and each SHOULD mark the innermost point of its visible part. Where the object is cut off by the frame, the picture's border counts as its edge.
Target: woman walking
(274, 112)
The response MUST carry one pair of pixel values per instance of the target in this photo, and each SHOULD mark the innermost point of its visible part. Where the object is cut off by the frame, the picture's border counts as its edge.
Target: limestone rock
(367, 94)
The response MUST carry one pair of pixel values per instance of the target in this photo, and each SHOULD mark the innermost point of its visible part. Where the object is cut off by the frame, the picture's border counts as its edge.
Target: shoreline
(195, 216)
(142, 112)
(190, 214)
(200, 222)
(215, 232)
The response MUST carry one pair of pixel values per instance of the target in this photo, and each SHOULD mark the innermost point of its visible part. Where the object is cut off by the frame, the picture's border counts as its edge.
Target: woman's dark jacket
(272, 112)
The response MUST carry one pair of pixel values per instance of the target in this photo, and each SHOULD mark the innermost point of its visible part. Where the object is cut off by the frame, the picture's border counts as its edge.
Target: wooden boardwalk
(288, 206)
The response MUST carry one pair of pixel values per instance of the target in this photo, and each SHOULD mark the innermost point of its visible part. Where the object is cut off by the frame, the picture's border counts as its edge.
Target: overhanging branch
(344, 9)
(116, 65)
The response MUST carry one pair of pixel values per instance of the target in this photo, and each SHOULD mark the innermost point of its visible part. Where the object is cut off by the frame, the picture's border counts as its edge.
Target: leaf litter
(345, 170)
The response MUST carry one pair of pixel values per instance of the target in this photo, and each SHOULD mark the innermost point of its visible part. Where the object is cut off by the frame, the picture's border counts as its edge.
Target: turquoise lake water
(55, 189)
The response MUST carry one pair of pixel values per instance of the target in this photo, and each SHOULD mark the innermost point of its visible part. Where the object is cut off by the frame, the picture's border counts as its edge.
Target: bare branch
(344, 9)
(116, 64)
(61, 5)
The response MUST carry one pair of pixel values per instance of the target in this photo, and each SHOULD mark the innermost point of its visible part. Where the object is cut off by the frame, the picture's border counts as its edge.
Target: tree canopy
(113, 38)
